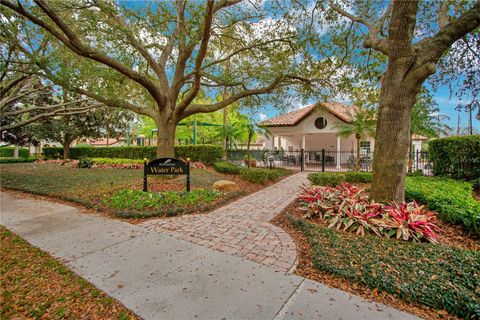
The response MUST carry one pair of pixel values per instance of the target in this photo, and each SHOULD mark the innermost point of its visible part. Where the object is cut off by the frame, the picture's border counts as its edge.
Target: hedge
(205, 153)
(226, 167)
(256, 175)
(452, 199)
(336, 178)
(17, 160)
(458, 157)
(7, 152)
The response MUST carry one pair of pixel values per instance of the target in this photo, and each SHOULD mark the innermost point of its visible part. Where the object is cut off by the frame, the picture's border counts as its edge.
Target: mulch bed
(36, 286)
(453, 236)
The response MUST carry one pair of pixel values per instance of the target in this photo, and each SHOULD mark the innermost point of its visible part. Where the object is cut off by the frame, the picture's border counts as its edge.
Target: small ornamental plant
(199, 165)
(347, 207)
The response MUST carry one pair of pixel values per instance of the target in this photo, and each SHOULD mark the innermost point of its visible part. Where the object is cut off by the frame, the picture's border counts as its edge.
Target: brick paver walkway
(242, 227)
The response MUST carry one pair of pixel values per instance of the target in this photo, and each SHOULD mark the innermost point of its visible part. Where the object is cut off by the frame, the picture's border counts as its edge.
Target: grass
(34, 285)
(77, 185)
(90, 186)
(435, 275)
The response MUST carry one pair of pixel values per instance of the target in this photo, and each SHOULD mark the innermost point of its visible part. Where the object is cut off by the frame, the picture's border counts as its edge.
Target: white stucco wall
(315, 139)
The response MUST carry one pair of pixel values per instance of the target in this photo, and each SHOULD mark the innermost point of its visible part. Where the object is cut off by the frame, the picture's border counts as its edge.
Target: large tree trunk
(67, 141)
(397, 97)
(16, 151)
(66, 151)
(392, 142)
(166, 139)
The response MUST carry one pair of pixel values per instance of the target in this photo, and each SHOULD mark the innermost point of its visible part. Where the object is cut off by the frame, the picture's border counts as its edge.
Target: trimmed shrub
(326, 178)
(255, 175)
(336, 178)
(226, 167)
(205, 153)
(358, 177)
(50, 153)
(17, 160)
(458, 157)
(7, 152)
(452, 199)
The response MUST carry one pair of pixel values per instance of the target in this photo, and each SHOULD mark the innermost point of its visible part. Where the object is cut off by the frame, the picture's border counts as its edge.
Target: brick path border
(242, 227)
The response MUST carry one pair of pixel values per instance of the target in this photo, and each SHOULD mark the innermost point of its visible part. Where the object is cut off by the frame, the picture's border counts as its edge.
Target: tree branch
(60, 112)
(37, 108)
(71, 41)
(431, 49)
(373, 39)
(202, 51)
(205, 108)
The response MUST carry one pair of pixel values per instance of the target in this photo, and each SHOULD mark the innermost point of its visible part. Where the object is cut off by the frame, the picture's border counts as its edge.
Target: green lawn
(79, 185)
(90, 186)
(435, 275)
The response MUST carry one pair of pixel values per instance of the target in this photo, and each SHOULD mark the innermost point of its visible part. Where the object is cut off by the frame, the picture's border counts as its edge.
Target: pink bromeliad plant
(348, 208)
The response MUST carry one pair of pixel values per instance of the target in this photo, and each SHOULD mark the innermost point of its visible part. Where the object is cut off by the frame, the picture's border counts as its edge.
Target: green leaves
(438, 276)
(139, 200)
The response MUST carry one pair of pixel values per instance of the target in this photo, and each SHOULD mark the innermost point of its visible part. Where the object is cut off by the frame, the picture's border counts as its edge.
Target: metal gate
(323, 160)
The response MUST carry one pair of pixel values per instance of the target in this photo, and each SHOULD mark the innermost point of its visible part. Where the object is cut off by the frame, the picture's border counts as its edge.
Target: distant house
(313, 128)
(108, 143)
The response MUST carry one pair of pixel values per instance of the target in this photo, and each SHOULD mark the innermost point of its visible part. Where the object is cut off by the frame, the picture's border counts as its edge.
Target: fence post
(302, 160)
(323, 160)
(145, 187)
(416, 160)
(188, 175)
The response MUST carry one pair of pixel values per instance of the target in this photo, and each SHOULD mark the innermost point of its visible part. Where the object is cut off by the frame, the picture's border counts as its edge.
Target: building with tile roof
(314, 128)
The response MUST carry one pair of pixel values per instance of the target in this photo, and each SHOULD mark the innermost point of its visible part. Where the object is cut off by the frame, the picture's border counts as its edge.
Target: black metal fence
(324, 160)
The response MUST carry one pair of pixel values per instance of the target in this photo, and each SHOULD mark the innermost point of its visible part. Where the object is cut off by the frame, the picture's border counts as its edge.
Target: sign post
(166, 166)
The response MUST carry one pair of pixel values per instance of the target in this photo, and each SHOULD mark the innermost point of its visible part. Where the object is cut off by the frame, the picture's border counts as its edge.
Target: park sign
(166, 166)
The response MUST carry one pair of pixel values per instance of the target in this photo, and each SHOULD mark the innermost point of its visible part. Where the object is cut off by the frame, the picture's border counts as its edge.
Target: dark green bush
(205, 153)
(458, 157)
(326, 178)
(336, 178)
(17, 160)
(85, 163)
(256, 175)
(452, 199)
(435, 275)
(8, 152)
(417, 173)
(358, 177)
(226, 167)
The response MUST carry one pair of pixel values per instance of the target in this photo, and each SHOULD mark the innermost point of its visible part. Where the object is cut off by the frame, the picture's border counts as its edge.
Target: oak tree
(156, 57)
(413, 55)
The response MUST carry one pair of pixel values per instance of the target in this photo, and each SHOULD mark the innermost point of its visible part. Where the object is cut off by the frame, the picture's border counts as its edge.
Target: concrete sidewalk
(158, 276)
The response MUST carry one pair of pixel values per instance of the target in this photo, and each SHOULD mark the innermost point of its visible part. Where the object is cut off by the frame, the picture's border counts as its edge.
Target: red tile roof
(341, 111)
(418, 137)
